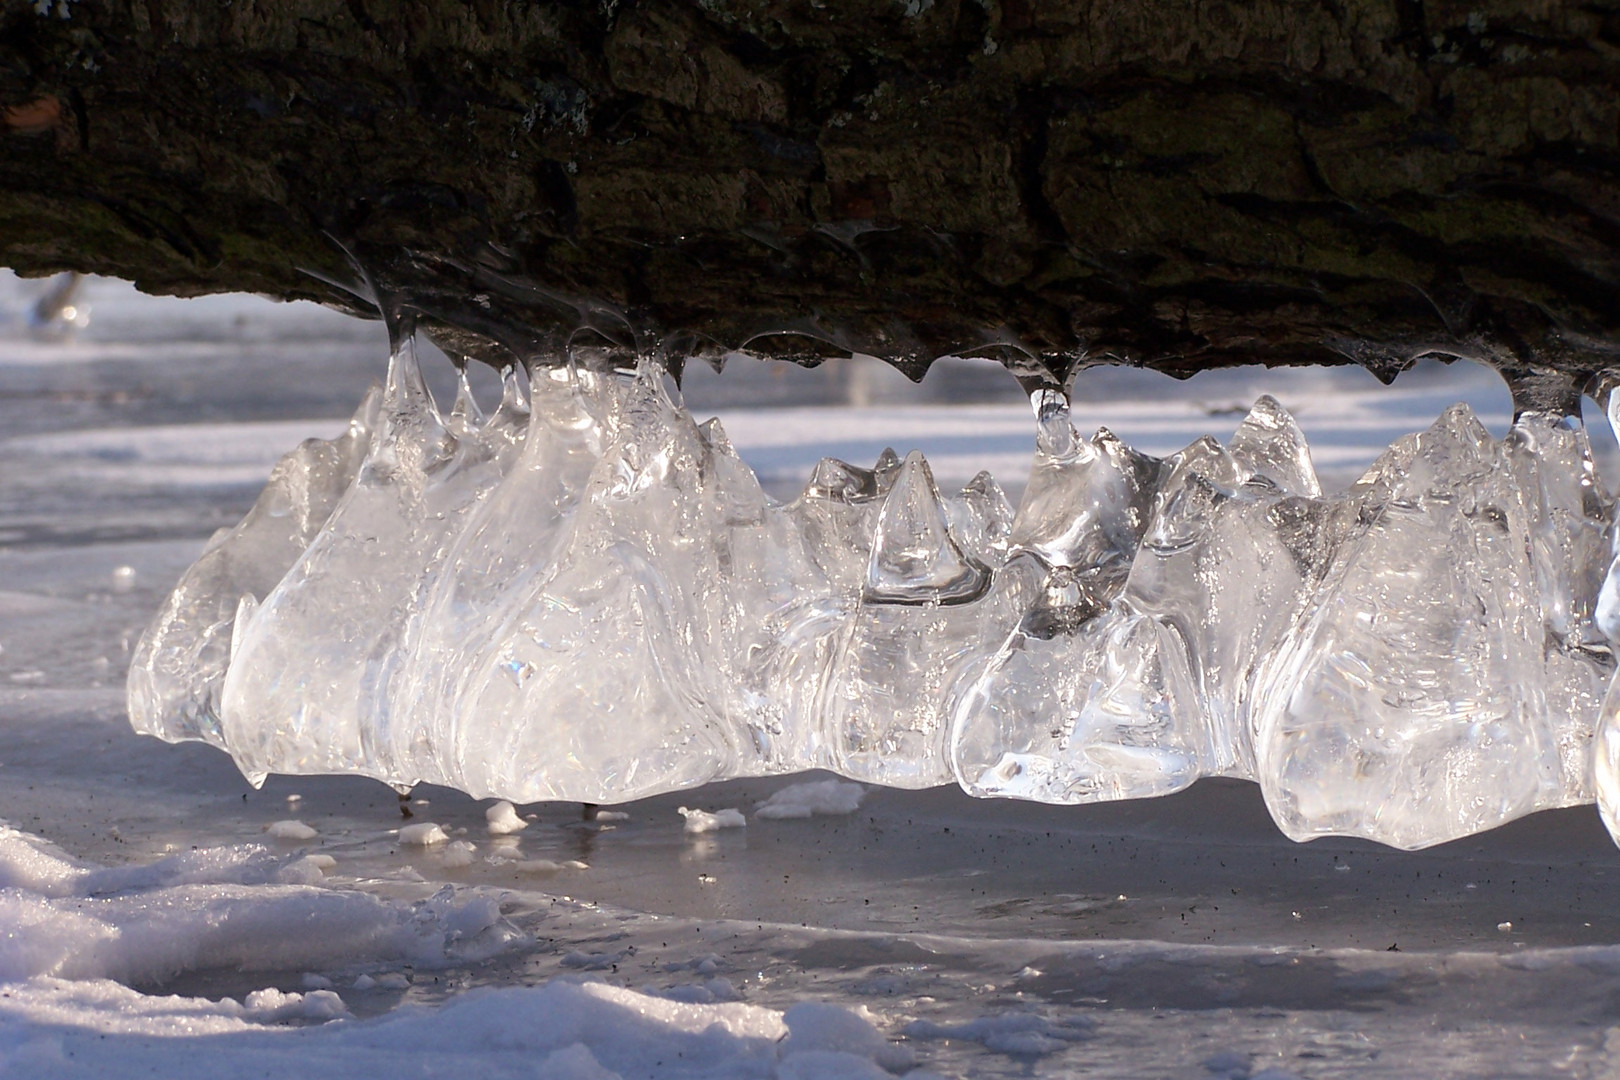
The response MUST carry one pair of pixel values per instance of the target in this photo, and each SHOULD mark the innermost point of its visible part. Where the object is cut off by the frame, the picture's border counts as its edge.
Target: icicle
(1237, 538)
(765, 579)
(1550, 458)
(1087, 713)
(921, 617)
(603, 674)
(507, 546)
(178, 668)
(1064, 711)
(1084, 702)
(506, 427)
(1054, 436)
(1085, 510)
(465, 415)
(1409, 707)
(1606, 615)
(308, 689)
(587, 596)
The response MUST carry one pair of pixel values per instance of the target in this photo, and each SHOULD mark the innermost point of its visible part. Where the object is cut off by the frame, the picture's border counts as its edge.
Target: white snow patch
(612, 815)
(291, 830)
(223, 908)
(830, 797)
(502, 819)
(151, 936)
(422, 834)
(562, 1030)
(35, 865)
(104, 1007)
(272, 1005)
(701, 821)
(816, 1028)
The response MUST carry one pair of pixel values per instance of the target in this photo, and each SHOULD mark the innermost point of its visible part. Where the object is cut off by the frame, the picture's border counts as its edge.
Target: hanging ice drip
(1131, 674)
(309, 683)
(587, 595)
(1411, 704)
(177, 672)
(1605, 758)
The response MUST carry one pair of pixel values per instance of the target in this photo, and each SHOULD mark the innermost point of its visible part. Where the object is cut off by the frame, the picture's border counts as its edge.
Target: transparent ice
(177, 671)
(1428, 694)
(1145, 695)
(307, 689)
(1605, 758)
(605, 674)
(923, 612)
(586, 595)
(506, 544)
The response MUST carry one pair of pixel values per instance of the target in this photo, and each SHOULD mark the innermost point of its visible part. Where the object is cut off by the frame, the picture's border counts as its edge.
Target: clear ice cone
(1146, 695)
(604, 675)
(920, 618)
(1409, 705)
(177, 672)
(307, 690)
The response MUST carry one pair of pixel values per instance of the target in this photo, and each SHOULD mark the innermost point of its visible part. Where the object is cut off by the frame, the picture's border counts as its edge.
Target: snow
(72, 952)
(816, 1027)
(422, 834)
(291, 830)
(560, 1030)
(702, 821)
(211, 908)
(503, 819)
(811, 797)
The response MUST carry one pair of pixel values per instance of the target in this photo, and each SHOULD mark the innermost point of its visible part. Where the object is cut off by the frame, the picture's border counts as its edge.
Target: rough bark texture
(1174, 183)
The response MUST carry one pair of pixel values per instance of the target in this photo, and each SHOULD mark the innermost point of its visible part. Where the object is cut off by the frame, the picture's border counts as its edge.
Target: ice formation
(586, 595)
(178, 668)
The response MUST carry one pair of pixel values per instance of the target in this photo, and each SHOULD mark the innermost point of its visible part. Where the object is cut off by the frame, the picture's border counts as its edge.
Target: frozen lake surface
(160, 916)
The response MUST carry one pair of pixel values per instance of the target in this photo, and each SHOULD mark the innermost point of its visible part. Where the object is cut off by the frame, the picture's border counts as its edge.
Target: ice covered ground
(160, 917)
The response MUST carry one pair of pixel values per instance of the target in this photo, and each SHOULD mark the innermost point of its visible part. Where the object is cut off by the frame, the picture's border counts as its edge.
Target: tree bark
(1179, 184)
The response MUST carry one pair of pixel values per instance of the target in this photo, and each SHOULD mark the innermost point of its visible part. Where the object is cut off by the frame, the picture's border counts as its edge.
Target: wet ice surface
(1181, 936)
